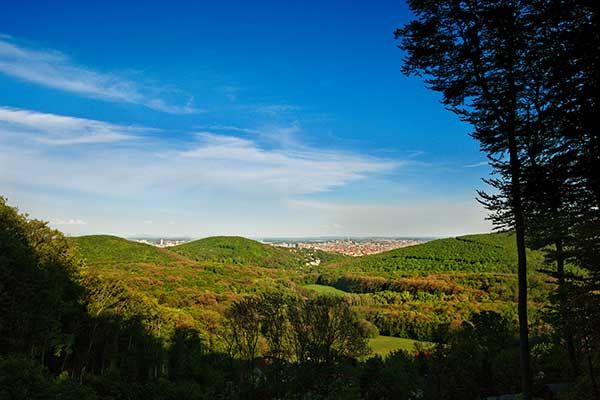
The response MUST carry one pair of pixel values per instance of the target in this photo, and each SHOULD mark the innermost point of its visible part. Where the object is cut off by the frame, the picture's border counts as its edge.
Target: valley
(422, 292)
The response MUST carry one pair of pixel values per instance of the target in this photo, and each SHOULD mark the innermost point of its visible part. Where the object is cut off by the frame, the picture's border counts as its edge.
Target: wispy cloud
(285, 136)
(285, 170)
(475, 165)
(53, 69)
(230, 128)
(67, 221)
(217, 162)
(276, 109)
(269, 110)
(59, 130)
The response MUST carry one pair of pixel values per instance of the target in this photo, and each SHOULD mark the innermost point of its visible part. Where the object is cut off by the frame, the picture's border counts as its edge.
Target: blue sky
(250, 118)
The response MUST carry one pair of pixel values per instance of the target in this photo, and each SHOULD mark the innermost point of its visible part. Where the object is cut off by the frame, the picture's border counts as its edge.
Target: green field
(383, 345)
(324, 289)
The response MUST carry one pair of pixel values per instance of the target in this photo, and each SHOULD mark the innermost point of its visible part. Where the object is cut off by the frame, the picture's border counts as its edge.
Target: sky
(260, 119)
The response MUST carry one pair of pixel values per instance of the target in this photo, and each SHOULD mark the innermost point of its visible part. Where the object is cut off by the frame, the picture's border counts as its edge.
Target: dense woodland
(100, 317)
(104, 317)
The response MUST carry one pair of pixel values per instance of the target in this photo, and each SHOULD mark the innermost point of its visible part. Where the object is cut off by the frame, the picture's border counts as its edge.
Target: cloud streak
(55, 70)
(295, 170)
(68, 221)
(476, 165)
(59, 130)
(202, 161)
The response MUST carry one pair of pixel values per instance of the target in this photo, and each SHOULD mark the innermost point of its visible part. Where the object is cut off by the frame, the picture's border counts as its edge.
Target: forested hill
(241, 251)
(490, 252)
(107, 249)
(228, 250)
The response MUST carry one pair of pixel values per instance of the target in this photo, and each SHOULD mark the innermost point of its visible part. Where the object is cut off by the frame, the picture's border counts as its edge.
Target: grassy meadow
(384, 345)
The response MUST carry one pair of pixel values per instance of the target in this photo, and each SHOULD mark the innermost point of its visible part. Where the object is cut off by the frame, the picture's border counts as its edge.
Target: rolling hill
(240, 251)
(106, 249)
(408, 292)
(490, 252)
(200, 279)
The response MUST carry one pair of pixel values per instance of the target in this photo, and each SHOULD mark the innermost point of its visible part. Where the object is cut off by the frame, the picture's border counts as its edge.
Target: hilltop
(489, 252)
(107, 249)
(235, 250)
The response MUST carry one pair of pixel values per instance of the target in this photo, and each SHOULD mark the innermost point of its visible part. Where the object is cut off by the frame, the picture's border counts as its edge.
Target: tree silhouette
(524, 74)
(476, 54)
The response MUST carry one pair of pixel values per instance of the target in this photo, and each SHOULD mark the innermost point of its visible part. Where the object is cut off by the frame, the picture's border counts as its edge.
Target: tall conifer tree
(476, 54)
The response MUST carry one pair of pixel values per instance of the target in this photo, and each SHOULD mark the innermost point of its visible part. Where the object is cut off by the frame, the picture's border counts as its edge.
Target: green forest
(102, 317)
(513, 314)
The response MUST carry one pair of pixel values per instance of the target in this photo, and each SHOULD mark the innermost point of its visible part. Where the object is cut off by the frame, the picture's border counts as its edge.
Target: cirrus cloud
(67, 221)
(205, 160)
(60, 130)
(53, 69)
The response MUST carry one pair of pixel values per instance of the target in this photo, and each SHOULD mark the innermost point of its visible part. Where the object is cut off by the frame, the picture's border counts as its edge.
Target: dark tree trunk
(593, 376)
(517, 206)
(562, 289)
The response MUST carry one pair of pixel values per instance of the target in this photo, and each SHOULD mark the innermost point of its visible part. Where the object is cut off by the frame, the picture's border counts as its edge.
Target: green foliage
(25, 379)
(185, 349)
(322, 329)
(157, 326)
(106, 249)
(479, 360)
(384, 345)
(394, 377)
(325, 290)
(494, 252)
(244, 320)
(418, 306)
(39, 292)
(325, 329)
(240, 251)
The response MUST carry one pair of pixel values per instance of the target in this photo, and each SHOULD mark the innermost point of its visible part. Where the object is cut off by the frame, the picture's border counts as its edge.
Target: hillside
(410, 292)
(106, 249)
(240, 251)
(491, 252)
(216, 273)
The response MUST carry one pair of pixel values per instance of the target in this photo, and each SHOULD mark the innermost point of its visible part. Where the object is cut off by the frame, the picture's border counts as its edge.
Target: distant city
(161, 242)
(352, 246)
(349, 246)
